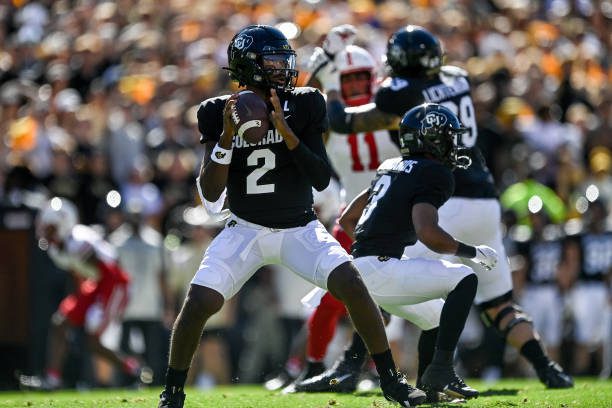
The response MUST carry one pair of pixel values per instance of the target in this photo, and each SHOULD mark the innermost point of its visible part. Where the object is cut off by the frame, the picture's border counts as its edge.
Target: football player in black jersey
(414, 57)
(587, 262)
(539, 254)
(269, 193)
(400, 207)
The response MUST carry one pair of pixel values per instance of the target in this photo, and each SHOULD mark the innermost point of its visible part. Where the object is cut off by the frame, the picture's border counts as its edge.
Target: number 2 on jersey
(269, 163)
(465, 111)
(353, 141)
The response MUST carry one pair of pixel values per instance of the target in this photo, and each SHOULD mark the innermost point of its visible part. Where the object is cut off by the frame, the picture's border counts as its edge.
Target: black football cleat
(282, 380)
(553, 376)
(171, 400)
(312, 369)
(443, 379)
(403, 393)
(341, 377)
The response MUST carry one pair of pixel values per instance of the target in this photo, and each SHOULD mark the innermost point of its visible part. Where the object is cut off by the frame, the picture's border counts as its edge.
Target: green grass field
(507, 393)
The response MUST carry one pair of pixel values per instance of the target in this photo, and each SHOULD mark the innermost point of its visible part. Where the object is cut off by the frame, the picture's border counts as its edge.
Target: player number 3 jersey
(386, 227)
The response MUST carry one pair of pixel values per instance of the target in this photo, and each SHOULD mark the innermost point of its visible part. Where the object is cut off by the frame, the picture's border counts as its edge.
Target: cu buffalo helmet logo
(242, 42)
(432, 119)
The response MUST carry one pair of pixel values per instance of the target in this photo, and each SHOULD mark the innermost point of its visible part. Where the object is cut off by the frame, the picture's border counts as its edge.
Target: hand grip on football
(249, 114)
(486, 257)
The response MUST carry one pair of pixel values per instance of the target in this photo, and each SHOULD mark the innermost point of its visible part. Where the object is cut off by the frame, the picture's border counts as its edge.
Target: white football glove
(338, 38)
(485, 256)
(324, 69)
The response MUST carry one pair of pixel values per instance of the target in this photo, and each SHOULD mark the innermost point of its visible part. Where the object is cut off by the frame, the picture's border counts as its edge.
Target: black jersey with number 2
(265, 185)
(386, 227)
(450, 88)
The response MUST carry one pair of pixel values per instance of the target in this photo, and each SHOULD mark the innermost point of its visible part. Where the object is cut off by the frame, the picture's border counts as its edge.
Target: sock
(427, 345)
(443, 357)
(313, 367)
(385, 366)
(131, 366)
(355, 355)
(342, 237)
(455, 311)
(532, 351)
(175, 380)
(322, 325)
(293, 366)
(53, 373)
(53, 377)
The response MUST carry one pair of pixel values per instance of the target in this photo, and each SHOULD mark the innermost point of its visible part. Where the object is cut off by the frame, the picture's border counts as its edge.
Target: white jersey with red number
(78, 248)
(357, 156)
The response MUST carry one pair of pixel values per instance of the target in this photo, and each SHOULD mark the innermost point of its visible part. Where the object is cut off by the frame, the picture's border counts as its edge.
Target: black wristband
(465, 251)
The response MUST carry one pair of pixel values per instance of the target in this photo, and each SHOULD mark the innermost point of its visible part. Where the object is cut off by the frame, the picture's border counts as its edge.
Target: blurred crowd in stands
(98, 102)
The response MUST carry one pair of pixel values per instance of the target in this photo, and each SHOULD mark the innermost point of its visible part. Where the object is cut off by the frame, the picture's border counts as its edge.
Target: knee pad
(519, 317)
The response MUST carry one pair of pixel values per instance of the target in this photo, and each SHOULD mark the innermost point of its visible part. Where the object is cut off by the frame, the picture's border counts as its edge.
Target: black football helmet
(412, 51)
(260, 55)
(432, 129)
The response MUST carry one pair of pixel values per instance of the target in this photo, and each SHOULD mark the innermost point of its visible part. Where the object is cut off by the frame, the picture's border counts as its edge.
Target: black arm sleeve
(339, 120)
(310, 155)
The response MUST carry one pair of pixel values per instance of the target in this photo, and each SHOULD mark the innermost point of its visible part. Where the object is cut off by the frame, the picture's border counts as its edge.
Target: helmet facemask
(443, 146)
(278, 70)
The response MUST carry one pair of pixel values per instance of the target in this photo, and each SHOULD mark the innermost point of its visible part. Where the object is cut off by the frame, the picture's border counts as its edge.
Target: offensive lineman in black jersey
(269, 194)
(415, 57)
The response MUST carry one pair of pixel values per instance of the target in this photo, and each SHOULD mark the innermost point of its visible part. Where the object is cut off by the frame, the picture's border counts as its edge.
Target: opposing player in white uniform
(356, 156)
(101, 295)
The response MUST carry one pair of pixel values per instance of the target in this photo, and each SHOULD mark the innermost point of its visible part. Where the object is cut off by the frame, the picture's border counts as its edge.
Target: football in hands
(250, 115)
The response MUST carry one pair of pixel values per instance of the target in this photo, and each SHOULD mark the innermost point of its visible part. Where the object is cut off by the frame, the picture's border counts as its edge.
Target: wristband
(465, 251)
(221, 155)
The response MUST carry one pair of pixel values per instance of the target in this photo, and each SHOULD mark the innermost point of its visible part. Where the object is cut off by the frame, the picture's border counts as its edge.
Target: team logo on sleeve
(432, 119)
